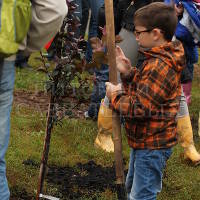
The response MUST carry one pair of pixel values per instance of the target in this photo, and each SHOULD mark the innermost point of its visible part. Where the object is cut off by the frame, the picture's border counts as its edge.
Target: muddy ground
(39, 101)
(83, 180)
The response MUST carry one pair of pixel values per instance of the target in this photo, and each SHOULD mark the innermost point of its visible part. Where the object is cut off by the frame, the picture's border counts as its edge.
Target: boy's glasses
(137, 33)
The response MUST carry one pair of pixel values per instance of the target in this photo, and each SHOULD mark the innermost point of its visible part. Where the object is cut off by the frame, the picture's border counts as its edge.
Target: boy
(150, 98)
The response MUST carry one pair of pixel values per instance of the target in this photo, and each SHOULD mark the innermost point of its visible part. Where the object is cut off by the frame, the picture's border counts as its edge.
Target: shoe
(104, 137)
(86, 115)
(185, 136)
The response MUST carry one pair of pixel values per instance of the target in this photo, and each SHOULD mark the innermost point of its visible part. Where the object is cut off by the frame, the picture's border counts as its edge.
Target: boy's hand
(111, 88)
(123, 63)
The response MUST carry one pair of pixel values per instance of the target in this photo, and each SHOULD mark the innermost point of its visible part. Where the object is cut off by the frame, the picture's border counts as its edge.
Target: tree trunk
(43, 165)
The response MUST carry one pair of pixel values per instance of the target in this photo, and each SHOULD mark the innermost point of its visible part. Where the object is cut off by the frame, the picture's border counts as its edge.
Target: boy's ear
(156, 34)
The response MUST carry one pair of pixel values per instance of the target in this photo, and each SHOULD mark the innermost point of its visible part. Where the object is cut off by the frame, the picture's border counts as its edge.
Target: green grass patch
(30, 80)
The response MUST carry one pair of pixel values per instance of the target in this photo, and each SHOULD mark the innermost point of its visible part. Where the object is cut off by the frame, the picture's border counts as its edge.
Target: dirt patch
(18, 193)
(197, 74)
(39, 101)
(197, 70)
(82, 180)
(36, 100)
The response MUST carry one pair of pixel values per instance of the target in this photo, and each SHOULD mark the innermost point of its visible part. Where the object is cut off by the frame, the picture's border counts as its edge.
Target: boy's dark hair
(157, 15)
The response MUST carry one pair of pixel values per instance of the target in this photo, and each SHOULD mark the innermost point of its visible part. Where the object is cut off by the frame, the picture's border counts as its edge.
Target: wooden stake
(110, 33)
(43, 165)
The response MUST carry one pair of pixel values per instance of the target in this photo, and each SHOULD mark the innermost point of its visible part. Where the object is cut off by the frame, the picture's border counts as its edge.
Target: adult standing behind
(100, 75)
(47, 17)
(188, 39)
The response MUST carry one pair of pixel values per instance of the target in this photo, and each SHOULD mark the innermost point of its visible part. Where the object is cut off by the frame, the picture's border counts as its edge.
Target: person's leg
(187, 87)
(7, 74)
(99, 89)
(78, 13)
(21, 60)
(130, 174)
(185, 133)
(95, 5)
(98, 94)
(148, 172)
(79, 9)
(92, 106)
(104, 136)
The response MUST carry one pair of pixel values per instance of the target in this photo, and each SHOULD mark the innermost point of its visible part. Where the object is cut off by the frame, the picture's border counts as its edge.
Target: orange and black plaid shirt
(150, 99)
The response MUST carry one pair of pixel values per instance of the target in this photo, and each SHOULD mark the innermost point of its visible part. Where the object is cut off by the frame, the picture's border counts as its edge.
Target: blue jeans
(94, 5)
(144, 178)
(7, 76)
(98, 93)
(103, 73)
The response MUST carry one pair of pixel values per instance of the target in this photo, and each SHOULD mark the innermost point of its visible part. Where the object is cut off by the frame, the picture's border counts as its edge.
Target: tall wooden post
(45, 154)
(110, 32)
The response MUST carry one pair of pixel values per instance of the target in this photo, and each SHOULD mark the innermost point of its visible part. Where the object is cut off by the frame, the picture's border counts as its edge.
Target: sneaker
(86, 115)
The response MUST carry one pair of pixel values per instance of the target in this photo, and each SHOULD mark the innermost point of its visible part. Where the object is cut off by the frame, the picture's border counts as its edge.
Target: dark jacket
(124, 11)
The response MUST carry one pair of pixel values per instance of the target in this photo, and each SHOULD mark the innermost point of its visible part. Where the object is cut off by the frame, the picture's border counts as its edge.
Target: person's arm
(47, 18)
(154, 89)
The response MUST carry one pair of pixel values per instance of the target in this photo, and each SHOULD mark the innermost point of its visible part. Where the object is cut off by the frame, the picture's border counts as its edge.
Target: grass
(72, 150)
(30, 79)
(70, 144)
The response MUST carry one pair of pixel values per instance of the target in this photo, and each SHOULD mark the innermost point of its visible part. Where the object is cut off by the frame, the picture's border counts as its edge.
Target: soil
(39, 101)
(197, 70)
(18, 193)
(36, 100)
(83, 180)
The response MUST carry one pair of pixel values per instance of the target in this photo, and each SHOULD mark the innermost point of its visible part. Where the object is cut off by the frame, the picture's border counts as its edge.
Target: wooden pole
(110, 33)
(44, 160)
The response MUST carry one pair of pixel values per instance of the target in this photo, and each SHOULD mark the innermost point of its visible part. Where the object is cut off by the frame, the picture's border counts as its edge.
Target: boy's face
(147, 38)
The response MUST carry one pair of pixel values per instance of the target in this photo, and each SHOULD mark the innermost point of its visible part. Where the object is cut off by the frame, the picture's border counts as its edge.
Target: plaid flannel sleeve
(158, 81)
(129, 79)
